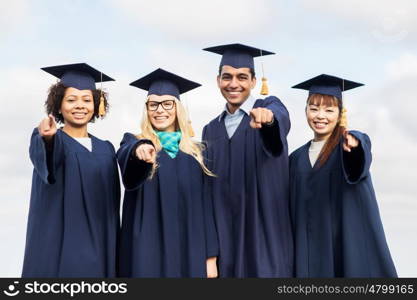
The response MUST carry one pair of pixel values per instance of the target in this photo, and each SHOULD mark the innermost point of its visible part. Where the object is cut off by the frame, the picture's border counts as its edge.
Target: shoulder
(267, 101)
(110, 146)
(35, 131)
(104, 144)
(214, 122)
(129, 138)
(296, 153)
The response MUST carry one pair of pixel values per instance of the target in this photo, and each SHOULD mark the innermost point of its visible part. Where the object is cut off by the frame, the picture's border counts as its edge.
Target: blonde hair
(187, 145)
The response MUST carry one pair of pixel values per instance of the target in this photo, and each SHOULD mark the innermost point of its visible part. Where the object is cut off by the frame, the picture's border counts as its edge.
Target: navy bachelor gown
(337, 226)
(251, 195)
(73, 215)
(167, 226)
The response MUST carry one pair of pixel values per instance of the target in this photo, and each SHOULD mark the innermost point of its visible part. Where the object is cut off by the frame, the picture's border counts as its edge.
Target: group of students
(234, 205)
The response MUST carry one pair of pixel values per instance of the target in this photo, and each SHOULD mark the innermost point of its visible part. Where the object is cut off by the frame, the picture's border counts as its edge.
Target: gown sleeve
(46, 158)
(116, 173)
(356, 163)
(134, 171)
(292, 162)
(274, 136)
(212, 245)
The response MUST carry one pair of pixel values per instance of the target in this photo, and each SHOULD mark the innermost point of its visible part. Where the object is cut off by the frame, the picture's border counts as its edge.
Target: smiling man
(247, 150)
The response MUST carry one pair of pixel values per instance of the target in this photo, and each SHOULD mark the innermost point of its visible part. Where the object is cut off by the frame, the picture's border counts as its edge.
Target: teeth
(161, 118)
(320, 125)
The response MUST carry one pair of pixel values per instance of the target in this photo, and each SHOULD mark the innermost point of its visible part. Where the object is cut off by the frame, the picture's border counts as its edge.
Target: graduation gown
(74, 209)
(337, 226)
(167, 227)
(251, 194)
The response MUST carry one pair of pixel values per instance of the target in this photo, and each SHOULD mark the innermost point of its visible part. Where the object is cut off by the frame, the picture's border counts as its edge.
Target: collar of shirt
(245, 107)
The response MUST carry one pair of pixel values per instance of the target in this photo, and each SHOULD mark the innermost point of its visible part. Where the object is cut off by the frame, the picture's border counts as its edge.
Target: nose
(320, 114)
(80, 104)
(160, 109)
(233, 83)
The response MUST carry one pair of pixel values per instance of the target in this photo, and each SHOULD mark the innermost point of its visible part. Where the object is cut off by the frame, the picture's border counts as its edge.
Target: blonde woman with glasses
(167, 228)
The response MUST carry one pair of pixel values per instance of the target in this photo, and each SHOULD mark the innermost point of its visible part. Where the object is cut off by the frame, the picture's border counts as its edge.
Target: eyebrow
(239, 74)
(161, 100)
(76, 95)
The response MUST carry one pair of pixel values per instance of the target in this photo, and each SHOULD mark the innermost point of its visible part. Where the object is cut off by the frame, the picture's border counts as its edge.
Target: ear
(218, 81)
(339, 118)
(253, 82)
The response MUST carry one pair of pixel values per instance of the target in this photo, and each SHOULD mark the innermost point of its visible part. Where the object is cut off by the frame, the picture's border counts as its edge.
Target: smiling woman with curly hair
(73, 216)
(55, 98)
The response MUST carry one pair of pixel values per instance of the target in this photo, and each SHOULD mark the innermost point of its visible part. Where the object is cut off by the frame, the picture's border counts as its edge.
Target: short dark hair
(56, 94)
(251, 70)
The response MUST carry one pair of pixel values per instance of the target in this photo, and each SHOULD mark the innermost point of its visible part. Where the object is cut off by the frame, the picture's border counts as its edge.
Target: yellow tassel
(101, 107)
(190, 129)
(264, 88)
(343, 118)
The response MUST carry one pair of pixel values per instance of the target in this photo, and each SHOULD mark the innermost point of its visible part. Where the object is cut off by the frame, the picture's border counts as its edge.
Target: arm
(134, 170)
(46, 150)
(357, 161)
(275, 127)
(211, 231)
(212, 246)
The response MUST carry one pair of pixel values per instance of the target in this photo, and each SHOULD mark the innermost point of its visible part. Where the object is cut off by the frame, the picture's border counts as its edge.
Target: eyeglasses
(153, 105)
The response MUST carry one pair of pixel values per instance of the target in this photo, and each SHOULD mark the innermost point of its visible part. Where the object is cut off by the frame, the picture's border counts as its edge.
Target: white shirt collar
(245, 107)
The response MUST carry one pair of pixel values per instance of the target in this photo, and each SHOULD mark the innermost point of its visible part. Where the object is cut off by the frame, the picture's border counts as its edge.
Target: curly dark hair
(56, 94)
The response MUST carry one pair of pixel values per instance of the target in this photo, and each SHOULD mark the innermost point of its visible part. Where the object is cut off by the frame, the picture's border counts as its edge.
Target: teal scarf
(170, 141)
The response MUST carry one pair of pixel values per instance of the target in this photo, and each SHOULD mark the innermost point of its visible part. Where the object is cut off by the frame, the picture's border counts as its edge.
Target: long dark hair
(56, 94)
(334, 139)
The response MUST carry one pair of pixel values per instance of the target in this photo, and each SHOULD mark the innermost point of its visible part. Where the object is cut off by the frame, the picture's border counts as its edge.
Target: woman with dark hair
(74, 207)
(336, 222)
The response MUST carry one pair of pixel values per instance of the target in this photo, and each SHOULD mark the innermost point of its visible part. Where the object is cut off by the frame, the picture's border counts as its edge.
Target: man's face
(235, 84)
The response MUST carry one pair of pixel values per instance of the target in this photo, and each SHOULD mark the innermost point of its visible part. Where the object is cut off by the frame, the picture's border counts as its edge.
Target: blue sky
(373, 42)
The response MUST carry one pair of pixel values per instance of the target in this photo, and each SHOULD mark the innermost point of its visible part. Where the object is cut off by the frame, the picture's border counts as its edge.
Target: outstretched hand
(350, 142)
(260, 116)
(47, 128)
(147, 153)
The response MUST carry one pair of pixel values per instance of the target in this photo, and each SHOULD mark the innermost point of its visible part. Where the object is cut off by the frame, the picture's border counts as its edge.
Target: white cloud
(385, 21)
(199, 20)
(12, 14)
(403, 67)
(398, 92)
(23, 92)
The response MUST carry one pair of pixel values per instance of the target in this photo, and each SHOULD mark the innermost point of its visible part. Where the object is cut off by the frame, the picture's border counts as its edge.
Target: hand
(260, 116)
(350, 141)
(147, 153)
(47, 128)
(212, 267)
